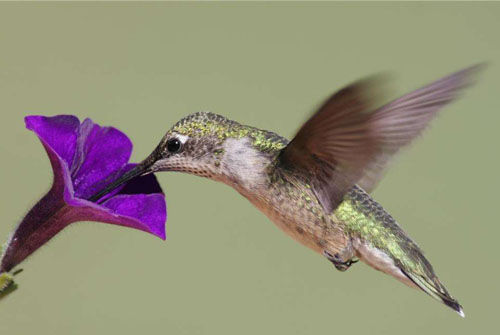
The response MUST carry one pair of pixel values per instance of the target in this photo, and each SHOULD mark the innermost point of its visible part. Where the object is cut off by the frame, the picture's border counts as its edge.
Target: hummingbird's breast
(294, 208)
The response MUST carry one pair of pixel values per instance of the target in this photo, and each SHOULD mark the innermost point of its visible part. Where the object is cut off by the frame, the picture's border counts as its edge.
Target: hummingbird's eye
(173, 145)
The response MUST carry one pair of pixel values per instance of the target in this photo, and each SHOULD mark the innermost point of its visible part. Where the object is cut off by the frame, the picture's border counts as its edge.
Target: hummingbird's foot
(338, 262)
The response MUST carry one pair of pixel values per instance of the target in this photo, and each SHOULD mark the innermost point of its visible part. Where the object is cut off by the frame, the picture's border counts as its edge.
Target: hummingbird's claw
(338, 262)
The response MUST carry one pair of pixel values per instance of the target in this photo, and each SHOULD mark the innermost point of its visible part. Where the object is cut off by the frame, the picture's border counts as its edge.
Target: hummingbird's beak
(139, 170)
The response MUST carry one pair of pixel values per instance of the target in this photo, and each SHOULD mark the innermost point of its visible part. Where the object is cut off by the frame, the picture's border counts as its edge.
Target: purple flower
(85, 158)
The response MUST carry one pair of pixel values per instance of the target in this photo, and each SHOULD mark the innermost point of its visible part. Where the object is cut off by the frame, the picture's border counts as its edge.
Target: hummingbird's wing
(403, 119)
(333, 147)
(349, 141)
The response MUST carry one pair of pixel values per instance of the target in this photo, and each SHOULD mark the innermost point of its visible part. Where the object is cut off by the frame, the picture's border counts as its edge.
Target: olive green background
(225, 268)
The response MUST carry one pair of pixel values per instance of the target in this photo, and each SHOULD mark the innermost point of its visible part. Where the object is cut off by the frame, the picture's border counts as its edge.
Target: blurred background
(225, 268)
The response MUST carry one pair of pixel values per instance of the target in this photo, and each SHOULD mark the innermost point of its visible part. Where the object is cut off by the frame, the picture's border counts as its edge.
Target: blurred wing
(399, 122)
(335, 145)
(348, 141)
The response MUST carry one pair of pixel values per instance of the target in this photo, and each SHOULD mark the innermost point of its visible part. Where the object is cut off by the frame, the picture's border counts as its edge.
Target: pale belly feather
(312, 229)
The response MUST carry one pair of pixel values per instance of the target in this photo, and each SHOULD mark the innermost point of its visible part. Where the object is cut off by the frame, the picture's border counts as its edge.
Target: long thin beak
(139, 170)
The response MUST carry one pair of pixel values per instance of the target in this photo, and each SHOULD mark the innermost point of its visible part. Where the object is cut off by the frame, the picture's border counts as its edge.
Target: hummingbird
(316, 186)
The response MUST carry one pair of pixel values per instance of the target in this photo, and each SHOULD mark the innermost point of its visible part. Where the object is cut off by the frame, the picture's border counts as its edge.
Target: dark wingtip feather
(469, 75)
(436, 290)
(453, 304)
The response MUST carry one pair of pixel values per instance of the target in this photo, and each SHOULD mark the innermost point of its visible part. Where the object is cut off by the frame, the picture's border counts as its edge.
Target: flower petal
(144, 212)
(149, 209)
(100, 153)
(138, 204)
(84, 159)
(58, 132)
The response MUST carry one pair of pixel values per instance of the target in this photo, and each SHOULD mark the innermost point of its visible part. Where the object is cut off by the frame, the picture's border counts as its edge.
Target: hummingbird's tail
(380, 242)
(411, 268)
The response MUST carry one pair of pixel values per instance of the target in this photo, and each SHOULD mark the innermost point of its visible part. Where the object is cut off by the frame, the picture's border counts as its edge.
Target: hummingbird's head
(210, 145)
(195, 145)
